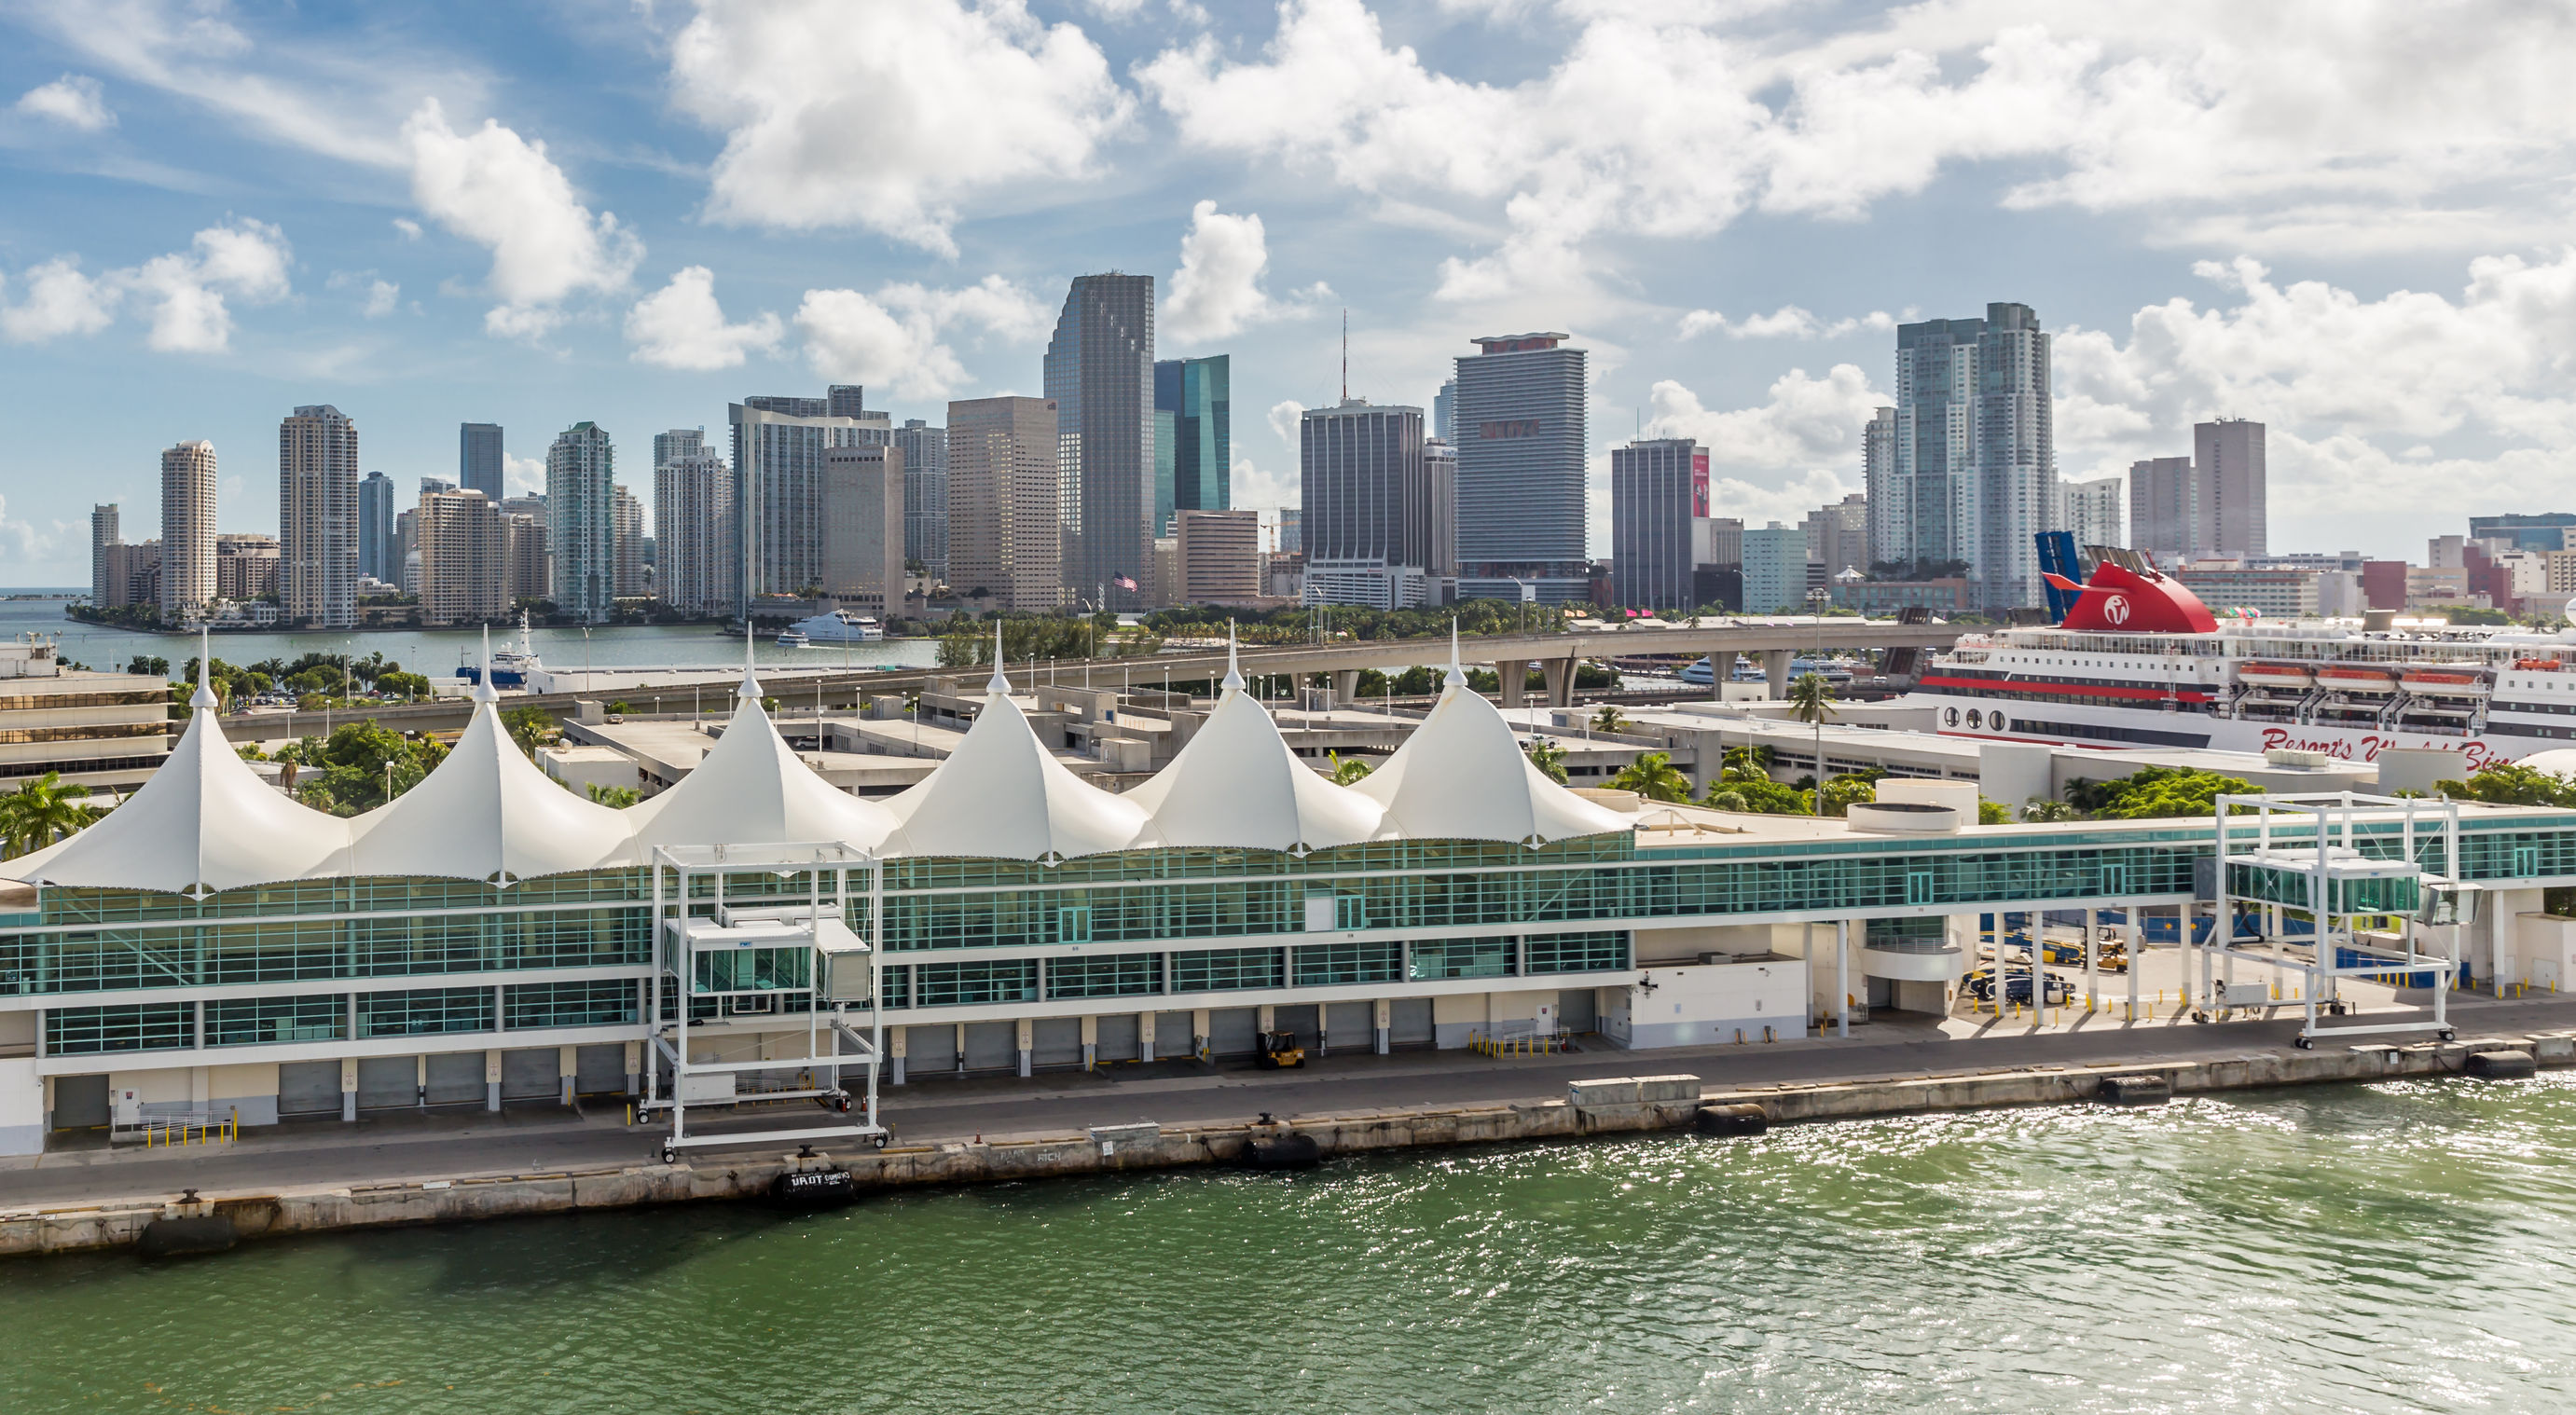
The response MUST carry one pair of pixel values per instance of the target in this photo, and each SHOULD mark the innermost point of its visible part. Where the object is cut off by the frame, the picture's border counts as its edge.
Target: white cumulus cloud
(1786, 322)
(503, 193)
(74, 100)
(381, 298)
(1217, 291)
(888, 115)
(185, 293)
(899, 336)
(681, 326)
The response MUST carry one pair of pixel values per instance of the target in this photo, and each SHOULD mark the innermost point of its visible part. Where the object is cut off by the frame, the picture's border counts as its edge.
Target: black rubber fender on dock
(1731, 1120)
(2502, 1064)
(185, 1237)
(2134, 1090)
(813, 1189)
(1291, 1151)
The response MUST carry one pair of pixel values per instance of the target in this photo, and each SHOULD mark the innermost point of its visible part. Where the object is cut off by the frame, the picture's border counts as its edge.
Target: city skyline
(640, 251)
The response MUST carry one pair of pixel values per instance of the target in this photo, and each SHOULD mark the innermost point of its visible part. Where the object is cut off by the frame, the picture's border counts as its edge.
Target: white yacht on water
(2139, 661)
(838, 627)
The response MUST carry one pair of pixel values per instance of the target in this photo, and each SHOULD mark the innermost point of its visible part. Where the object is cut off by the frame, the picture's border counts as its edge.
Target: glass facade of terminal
(1109, 929)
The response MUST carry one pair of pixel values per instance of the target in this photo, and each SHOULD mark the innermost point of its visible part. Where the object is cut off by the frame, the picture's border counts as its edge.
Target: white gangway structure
(2304, 853)
(761, 957)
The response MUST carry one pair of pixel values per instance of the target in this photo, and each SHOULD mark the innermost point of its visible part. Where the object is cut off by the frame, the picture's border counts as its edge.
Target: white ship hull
(2115, 728)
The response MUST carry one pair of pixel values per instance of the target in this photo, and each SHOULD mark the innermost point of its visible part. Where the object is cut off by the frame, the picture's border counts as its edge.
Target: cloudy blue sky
(2347, 219)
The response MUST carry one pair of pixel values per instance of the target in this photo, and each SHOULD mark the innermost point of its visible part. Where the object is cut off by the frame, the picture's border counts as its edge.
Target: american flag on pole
(1124, 582)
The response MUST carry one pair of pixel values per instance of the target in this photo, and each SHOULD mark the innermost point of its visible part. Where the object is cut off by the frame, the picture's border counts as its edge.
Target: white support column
(2135, 942)
(1385, 1017)
(1028, 1041)
(349, 1087)
(568, 1068)
(1090, 1042)
(2092, 961)
(1145, 1035)
(961, 1048)
(1842, 977)
(420, 1080)
(492, 1081)
(896, 1048)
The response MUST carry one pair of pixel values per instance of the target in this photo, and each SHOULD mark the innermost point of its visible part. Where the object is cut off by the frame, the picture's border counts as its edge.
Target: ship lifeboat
(2540, 665)
(2275, 675)
(2355, 678)
(2445, 682)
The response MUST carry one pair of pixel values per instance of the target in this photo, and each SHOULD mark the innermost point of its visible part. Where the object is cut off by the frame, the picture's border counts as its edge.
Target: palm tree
(1654, 777)
(1346, 772)
(1608, 719)
(1549, 757)
(2041, 808)
(42, 812)
(1811, 700)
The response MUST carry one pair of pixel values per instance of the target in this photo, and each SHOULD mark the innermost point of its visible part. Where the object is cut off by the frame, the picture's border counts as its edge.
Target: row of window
(1003, 980)
(329, 1017)
(215, 955)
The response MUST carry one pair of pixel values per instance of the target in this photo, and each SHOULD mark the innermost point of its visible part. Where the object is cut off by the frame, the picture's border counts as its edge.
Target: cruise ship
(2139, 661)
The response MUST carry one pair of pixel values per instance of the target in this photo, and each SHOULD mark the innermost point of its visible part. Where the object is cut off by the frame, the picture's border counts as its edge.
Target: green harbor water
(2398, 1247)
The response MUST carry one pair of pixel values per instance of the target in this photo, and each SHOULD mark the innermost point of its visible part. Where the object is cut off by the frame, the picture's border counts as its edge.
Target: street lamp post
(1816, 610)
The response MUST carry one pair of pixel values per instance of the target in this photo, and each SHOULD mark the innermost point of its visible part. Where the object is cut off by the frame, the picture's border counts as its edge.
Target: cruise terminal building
(213, 948)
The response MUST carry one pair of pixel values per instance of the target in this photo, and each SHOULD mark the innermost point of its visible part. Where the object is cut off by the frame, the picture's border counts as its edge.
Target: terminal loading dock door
(1055, 1041)
(1117, 1038)
(1409, 1022)
(992, 1046)
(308, 1088)
(79, 1102)
(531, 1074)
(600, 1070)
(456, 1077)
(385, 1082)
(930, 1050)
(1230, 1031)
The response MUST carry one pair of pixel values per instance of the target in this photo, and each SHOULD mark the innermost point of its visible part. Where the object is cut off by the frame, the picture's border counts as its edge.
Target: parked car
(1981, 985)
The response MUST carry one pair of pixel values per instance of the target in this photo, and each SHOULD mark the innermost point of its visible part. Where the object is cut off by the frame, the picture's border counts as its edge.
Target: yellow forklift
(1279, 1051)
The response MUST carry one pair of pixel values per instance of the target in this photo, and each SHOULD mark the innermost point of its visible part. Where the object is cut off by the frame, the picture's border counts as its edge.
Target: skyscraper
(1657, 488)
(627, 515)
(317, 518)
(376, 528)
(187, 531)
(105, 592)
(1440, 507)
(581, 537)
(1167, 448)
(1364, 513)
(1444, 413)
(1975, 460)
(1198, 393)
(1218, 555)
(679, 442)
(2227, 458)
(2093, 511)
(2168, 515)
(1520, 417)
(863, 527)
(1775, 570)
(480, 466)
(1838, 535)
(925, 494)
(1004, 529)
(778, 447)
(464, 558)
(1891, 507)
(1100, 375)
(693, 525)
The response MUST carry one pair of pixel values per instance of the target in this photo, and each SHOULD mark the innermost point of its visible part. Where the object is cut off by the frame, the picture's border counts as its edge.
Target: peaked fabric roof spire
(750, 789)
(484, 692)
(1001, 794)
(1462, 776)
(1233, 670)
(204, 697)
(749, 692)
(1457, 676)
(487, 812)
(999, 684)
(1237, 786)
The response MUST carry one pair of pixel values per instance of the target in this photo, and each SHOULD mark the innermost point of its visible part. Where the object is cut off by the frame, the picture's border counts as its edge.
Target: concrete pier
(1606, 1104)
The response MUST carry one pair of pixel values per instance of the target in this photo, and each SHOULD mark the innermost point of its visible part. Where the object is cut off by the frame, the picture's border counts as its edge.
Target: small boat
(2444, 681)
(792, 639)
(2276, 675)
(838, 627)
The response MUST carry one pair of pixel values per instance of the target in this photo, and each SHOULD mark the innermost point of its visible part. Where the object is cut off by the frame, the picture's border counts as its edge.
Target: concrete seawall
(1594, 1108)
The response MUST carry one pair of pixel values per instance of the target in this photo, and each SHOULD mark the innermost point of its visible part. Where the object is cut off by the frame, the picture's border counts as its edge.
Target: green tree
(2155, 792)
(2512, 784)
(1549, 757)
(1750, 790)
(41, 812)
(1609, 719)
(361, 766)
(1653, 776)
(531, 728)
(616, 798)
(1844, 792)
(1346, 772)
(1993, 812)
(2041, 808)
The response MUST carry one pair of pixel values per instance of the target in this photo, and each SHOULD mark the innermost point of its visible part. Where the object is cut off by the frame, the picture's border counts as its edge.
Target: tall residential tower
(581, 539)
(317, 518)
(187, 531)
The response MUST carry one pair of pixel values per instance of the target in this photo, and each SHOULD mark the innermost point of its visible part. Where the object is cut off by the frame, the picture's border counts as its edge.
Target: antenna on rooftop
(1346, 353)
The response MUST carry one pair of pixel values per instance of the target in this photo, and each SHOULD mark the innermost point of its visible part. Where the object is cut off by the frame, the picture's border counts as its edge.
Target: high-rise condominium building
(1657, 489)
(1100, 375)
(2094, 511)
(1444, 413)
(1004, 530)
(1891, 505)
(187, 531)
(317, 518)
(1219, 555)
(1975, 464)
(679, 442)
(1440, 509)
(1198, 396)
(694, 541)
(464, 558)
(627, 517)
(1365, 505)
(103, 533)
(479, 463)
(245, 566)
(778, 447)
(1520, 416)
(581, 530)
(524, 559)
(1775, 570)
(863, 527)
(376, 529)
(1838, 535)
(2168, 518)
(925, 494)
(2227, 457)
